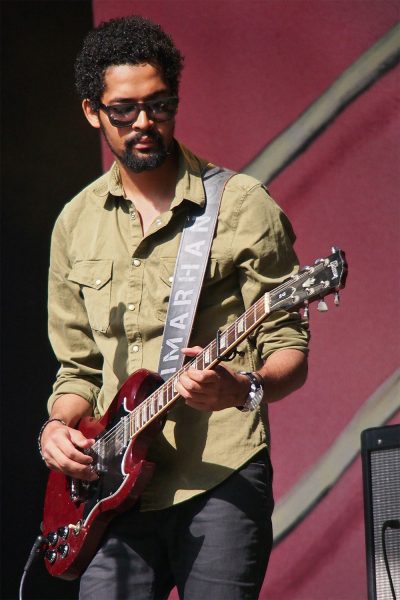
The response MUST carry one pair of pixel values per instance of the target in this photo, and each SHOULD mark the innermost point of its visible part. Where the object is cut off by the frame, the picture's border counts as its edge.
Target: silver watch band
(256, 392)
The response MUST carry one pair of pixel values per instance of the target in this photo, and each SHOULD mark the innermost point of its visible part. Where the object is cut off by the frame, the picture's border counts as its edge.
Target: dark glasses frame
(152, 109)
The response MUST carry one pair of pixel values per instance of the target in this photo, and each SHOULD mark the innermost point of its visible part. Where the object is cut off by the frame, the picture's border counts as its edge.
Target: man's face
(144, 144)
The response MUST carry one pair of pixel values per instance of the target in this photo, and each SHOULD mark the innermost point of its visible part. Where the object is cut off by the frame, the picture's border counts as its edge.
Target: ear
(91, 115)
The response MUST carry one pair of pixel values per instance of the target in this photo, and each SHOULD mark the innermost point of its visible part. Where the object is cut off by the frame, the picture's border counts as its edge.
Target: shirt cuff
(80, 388)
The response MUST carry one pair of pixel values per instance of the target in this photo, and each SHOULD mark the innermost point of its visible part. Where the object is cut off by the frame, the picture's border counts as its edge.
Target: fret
(207, 356)
(169, 391)
(240, 325)
(166, 393)
(260, 308)
(256, 311)
(131, 425)
(267, 303)
(254, 315)
(249, 317)
(160, 399)
(172, 382)
(200, 364)
(152, 407)
(223, 341)
(137, 419)
(213, 350)
(143, 414)
(125, 431)
(195, 364)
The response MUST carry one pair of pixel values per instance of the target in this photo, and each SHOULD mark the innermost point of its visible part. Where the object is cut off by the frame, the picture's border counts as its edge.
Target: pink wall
(251, 68)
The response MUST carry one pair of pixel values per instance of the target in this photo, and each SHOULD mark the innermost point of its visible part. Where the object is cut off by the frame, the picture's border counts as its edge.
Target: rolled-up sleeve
(70, 333)
(264, 256)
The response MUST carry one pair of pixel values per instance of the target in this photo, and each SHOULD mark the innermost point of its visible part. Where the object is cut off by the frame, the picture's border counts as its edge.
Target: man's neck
(154, 187)
(151, 191)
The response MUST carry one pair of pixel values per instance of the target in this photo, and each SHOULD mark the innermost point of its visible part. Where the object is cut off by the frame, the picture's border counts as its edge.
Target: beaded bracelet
(41, 432)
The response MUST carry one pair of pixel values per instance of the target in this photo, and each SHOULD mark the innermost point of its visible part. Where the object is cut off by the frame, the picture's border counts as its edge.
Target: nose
(142, 121)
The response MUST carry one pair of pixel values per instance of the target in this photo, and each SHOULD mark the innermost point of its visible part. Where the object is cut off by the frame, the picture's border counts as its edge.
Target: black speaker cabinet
(380, 450)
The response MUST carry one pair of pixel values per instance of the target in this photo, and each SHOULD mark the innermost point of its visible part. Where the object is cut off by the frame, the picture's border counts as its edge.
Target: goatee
(145, 160)
(150, 159)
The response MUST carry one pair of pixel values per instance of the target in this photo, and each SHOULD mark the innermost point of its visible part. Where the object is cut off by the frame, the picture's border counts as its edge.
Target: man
(203, 523)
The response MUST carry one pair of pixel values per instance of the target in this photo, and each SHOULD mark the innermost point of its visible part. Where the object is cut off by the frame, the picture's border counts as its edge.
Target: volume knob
(63, 550)
(51, 556)
(52, 537)
(63, 532)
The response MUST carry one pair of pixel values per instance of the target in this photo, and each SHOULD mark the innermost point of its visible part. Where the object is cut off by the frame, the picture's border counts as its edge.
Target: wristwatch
(256, 393)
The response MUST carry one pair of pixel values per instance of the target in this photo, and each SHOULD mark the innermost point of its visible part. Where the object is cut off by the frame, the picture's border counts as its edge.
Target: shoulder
(247, 205)
(87, 201)
(244, 193)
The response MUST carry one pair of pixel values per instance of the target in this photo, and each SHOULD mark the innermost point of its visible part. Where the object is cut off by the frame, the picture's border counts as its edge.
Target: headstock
(327, 276)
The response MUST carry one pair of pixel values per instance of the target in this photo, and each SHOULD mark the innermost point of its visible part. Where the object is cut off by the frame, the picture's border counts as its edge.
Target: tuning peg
(322, 306)
(306, 309)
(336, 299)
(319, 260)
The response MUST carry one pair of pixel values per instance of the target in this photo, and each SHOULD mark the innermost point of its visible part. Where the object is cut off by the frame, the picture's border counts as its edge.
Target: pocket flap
(92, 273)
(167, 269)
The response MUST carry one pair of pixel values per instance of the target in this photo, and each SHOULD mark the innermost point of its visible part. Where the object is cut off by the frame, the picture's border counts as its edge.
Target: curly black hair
(128, 40)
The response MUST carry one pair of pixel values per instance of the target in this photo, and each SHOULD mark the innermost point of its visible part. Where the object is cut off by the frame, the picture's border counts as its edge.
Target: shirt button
(131, 306)
(170, 279)
(98, 281)
(135, 348)
(133, 215)
(136, 262)
(158, 222)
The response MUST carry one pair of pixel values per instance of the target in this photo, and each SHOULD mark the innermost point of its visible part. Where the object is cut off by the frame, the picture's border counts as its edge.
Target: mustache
(153, 135)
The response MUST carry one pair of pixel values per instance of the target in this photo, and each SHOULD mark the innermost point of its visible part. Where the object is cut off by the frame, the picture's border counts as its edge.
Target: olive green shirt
(109, 287)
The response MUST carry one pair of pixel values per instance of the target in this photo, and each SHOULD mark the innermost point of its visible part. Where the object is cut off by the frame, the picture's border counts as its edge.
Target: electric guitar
(77, 512)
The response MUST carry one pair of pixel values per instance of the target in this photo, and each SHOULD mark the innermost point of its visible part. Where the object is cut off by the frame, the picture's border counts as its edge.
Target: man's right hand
(62, 445)
(62, 451)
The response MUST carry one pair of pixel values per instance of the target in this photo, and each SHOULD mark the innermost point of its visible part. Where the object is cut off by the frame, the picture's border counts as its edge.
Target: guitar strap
(190, 267)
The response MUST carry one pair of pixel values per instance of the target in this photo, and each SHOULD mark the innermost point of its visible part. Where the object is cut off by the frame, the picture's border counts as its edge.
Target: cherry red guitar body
(77, 513)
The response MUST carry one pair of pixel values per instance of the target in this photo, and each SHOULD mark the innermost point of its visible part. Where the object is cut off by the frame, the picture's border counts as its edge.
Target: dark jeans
(215, 546)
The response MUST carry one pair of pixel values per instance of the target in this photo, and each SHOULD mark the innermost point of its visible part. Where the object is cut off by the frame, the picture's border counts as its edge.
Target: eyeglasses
(123, 115)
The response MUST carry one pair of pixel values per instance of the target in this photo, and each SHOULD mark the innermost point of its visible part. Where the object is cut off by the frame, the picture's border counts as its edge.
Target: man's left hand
(211, 390)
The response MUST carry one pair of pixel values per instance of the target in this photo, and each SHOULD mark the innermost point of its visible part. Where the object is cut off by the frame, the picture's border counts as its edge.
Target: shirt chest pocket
(94, 278)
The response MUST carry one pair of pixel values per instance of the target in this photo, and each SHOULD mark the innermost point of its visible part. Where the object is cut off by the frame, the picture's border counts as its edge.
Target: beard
(145, 160)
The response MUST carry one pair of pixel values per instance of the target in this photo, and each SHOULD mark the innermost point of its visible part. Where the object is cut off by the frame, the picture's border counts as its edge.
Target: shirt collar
(189, 185)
